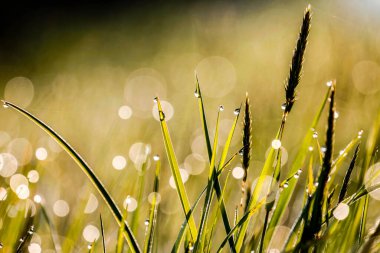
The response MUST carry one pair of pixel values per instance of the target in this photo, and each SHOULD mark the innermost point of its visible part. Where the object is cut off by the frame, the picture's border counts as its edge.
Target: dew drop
(276, 144)
(283, 106)
(241, 152)
(299, 171)
(329, 84)
(146, 222)
(315, 135)
(286, 185)
(323, 149)
(316, 184)
(360, 133)
(1, 245)
(162, 115)
(155, 99)
(156, 158)
(336, 115)
(237, 111)
(89, 246)
(196, 94)
(37, 198)
(5, 105)
(296, 175)
(221, 108)
(311, 148)
(341, 211)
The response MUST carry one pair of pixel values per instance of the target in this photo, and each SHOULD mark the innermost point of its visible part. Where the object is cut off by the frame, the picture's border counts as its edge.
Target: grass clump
(324, 220)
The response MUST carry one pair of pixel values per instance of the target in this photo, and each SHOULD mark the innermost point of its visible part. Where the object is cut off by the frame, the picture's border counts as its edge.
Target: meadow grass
(327, 221)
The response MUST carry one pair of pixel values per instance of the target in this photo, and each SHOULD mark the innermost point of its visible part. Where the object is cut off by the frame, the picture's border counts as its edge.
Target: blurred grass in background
(92, 75)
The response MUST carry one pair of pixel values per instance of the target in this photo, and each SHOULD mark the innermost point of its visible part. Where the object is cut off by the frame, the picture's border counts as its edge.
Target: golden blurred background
(92, 72)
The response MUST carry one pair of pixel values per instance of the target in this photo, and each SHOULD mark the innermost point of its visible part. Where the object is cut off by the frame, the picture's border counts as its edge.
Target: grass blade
(153, 212)
(181, 233)
(87, 170)
(348, 176)
(176, 173)
(216, 184)
(313, 226)
(290, 94)
(298, 163)
(210, 186)
(102, 231)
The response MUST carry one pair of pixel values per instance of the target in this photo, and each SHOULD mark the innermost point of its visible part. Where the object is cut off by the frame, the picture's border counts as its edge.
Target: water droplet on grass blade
(155, 99)
(283, 106)
(162, 115)
(341, 211)
(276, 144)
(336, 115)
(315, 135)
(196, 94)
(146, 223)
(237, 111)
(156, 158)
(329, 83)
(221, 108)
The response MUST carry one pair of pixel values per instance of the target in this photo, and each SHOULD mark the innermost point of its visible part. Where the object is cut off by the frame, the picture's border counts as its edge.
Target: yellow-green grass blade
(120, 241)
(229, 139)
(153, 212)
(87, 170)
(209, 192)
(140, 191)
(216, 184)
(298, 163)
(181, 234)
(176, 173)
(266, 171)
(242, 221)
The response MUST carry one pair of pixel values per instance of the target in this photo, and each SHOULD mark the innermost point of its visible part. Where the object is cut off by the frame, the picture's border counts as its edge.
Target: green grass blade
(347, 177)
(102, 233)
(313, 226)
(140, 192)
(87, 170)
(177, 244)
(153, 212)
(176, 173)
(216, 183)
(298, 163)
(209, 192)
(242, 221)
(120, 241)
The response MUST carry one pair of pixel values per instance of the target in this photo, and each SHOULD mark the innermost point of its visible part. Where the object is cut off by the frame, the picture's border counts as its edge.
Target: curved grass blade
(153, 212)
(140, 192)
(175, 171)
(348, 175)
(87, 170)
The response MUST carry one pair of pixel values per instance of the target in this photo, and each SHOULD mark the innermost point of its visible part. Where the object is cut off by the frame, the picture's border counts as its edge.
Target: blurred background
(91, 70)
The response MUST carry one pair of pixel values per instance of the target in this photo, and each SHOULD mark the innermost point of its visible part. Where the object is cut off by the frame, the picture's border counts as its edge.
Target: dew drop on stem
(162, 115)
(237, 111)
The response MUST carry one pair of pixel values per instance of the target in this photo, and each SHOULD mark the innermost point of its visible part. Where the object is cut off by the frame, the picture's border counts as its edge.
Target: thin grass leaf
(313, 226)
(153, 212)
(140, 192)
(177, 244)
(102, 233)
(372, 236)
(52, 229)
(216, 183)
(297, 60)
(210, 186)
(120, 241)
(176, 173)
(242, 221)
(347, 177)
(87, 170)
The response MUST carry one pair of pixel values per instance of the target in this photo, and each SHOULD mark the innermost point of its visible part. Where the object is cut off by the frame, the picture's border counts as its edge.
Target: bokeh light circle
(19, 90)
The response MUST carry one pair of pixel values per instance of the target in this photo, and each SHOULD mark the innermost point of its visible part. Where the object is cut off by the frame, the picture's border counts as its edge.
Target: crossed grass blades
(315, 228)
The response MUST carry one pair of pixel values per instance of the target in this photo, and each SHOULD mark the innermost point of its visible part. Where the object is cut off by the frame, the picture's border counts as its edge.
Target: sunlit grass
(246, 220)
